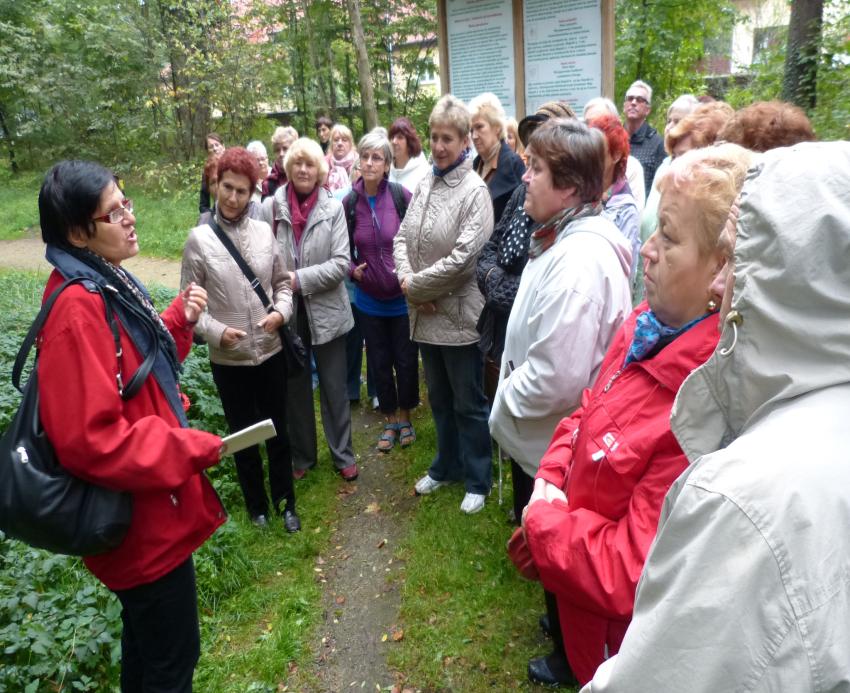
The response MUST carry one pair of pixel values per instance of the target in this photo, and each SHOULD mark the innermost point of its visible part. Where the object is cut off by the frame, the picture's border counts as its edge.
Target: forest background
(136, 84)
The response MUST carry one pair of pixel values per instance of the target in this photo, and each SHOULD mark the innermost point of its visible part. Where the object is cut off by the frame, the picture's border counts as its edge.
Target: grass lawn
(470, 622)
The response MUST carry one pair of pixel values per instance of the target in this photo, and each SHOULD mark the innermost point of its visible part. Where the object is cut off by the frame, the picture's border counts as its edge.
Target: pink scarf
(299, 210)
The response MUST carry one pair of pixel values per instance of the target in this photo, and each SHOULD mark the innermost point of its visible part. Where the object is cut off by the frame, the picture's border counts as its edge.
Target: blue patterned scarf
(440, 172)
(649, 330)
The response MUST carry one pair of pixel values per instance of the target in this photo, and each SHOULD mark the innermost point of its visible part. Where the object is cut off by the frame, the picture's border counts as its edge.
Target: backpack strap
(397, 192)
(350, 204)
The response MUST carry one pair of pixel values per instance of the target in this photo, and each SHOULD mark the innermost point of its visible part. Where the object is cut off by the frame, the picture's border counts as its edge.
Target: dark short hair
(241, 162)
(69, 197)
(214, 136)
(767, 125)
(402, 126)
(617, 138)
(323, 120)
(574, 153)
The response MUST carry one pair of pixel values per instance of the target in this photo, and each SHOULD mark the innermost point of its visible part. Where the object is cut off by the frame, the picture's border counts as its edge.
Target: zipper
(611, 381)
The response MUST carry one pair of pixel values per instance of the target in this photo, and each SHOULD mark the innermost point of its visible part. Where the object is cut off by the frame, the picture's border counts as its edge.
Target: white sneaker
(375, 404)
(472, 503)
(426, 484)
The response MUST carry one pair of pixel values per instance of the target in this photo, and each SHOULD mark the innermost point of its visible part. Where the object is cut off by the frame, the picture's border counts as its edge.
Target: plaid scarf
(544, 237)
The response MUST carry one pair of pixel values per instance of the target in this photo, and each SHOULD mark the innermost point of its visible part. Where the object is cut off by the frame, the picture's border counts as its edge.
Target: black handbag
(41, 503)
(293, 347)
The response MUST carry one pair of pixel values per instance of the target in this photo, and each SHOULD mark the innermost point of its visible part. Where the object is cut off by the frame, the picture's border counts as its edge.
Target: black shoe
(545, 626)
(291, 521)
(260, 521)
(551, 670)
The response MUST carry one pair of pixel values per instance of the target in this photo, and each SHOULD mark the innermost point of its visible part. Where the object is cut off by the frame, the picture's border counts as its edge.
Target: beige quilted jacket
(447, 223)
(231, 300)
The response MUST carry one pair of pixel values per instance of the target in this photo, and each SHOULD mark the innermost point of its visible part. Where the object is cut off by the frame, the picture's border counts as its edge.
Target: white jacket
(571, 301)
(747, 587)
(416, 168)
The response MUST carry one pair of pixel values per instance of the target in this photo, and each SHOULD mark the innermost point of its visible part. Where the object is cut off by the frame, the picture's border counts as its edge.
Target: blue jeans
(454, 375)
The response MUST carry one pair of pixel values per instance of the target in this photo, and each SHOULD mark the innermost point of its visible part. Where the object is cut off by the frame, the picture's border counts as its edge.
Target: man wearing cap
(647, 146)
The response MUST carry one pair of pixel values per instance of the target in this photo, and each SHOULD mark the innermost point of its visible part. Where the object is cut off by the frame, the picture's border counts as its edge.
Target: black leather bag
(293, 348)
(42, 504)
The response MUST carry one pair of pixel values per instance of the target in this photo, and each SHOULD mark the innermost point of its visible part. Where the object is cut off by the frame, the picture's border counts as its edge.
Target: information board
(480, 42)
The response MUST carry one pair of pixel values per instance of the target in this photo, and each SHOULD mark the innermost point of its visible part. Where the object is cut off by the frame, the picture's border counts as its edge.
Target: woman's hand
(292, 281)
(194, 302)
(427, 308)
(357, 272)
(272, 322)
(231, 336)
(403, 285)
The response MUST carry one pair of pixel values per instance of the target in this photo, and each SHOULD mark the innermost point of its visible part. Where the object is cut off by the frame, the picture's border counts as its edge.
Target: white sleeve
(711, 612)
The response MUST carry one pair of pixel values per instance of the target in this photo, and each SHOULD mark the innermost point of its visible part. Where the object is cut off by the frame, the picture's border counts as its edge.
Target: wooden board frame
(607, 8)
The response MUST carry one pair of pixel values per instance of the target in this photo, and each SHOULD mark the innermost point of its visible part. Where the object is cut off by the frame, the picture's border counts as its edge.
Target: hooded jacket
(747, 587)
(447, 223)
(571, 301)
(321, 261)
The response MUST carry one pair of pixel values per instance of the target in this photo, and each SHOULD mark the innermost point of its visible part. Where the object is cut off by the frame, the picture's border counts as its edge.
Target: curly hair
(702, 125)
(766, 125)
(403, 127)
(617, 139)
(241, 162)
(711, 177)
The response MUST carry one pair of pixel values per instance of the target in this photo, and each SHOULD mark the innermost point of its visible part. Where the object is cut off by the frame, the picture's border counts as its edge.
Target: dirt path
(363, 574)
(28, 254)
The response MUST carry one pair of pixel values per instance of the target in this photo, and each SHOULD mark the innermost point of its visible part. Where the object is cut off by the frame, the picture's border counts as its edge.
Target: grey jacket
(321, 262)
(231, 300)
(447, 224)
(747, 587)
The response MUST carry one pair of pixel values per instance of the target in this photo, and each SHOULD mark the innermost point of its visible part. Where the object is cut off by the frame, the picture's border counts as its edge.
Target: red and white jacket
(615, 458)
(136, 445)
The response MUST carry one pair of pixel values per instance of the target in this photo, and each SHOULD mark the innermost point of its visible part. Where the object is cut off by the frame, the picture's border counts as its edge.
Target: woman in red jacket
(142, 444)
(600, 485)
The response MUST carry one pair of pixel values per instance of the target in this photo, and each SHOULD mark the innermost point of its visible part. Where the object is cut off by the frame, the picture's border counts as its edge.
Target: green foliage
(18, 203)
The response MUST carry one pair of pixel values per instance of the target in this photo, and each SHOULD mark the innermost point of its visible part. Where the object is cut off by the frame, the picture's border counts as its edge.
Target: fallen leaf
(398, 635)
(384, 637)
(320, 560)
(381, 544)
(340, 599)
(373, 508)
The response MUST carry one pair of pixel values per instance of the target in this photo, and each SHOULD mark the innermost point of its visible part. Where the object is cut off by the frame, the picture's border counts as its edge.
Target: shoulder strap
(139, 376)
(397, 191)
(350, 220)
(246, 270)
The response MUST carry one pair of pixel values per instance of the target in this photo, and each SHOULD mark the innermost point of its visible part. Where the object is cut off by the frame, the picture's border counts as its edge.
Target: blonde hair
(512, 127)
(305, 148)
(342, 131)
(711, 178)
(488, 107)
(451, 111)
(283, 133)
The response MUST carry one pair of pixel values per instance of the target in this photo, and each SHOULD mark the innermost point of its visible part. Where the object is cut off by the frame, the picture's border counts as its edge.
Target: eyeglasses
(377, 158)
(117, 215)
(634, 97)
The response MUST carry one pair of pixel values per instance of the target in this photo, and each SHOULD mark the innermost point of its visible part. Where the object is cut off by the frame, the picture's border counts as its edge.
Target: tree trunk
(367, 90)
(10, 145)
(312, 38)
(799, 84)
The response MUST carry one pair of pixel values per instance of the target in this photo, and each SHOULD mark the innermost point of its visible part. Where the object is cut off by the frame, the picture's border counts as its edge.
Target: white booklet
(257, 433)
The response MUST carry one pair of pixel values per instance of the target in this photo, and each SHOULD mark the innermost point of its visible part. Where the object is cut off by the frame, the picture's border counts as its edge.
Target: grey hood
(791, 298)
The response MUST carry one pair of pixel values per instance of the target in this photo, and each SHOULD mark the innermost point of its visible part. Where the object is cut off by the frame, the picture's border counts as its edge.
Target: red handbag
(520, 555)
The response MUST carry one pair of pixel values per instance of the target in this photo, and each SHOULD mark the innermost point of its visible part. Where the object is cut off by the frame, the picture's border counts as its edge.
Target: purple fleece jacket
(374, 241)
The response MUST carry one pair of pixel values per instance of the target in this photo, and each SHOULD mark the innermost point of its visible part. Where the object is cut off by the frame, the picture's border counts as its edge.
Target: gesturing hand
(194, 301)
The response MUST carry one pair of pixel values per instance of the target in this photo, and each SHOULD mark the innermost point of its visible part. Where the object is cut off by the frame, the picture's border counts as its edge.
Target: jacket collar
(643, 133)
(454, 177)
(320, 212)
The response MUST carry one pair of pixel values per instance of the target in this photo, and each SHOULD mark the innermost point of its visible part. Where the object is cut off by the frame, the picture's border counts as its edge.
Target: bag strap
(351, 220)
(397, 192)
(139, 376)
(246, 270)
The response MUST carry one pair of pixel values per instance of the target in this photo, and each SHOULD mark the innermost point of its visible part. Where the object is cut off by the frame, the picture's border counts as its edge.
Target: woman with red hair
(409, 163)
(246, 358)
(619, 205)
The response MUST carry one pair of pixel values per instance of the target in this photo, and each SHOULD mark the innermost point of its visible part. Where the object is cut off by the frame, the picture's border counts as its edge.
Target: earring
(712, 305)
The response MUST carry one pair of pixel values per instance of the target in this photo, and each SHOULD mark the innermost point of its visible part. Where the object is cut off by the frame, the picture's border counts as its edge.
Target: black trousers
(161, 641)
(250, 394)
(389, 349)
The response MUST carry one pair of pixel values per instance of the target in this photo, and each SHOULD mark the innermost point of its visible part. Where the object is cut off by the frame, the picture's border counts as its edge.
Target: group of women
(581, 386)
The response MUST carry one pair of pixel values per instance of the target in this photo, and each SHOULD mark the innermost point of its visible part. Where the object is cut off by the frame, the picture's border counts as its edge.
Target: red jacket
(615, 458)
(135, 445)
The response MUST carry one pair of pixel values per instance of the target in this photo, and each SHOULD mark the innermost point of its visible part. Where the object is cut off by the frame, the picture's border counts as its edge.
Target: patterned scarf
(544, 237)
(513, 248)
(128, 289)
(649, 330)
(278, 175)
(440, 172)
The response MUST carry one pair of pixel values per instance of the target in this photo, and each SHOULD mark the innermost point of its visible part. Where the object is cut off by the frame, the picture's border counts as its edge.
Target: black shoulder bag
(41, 503)
(293, 347)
